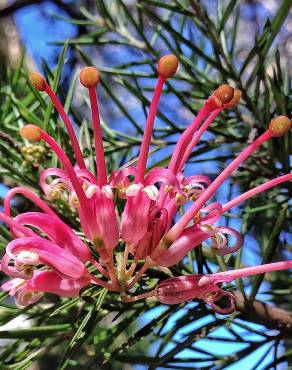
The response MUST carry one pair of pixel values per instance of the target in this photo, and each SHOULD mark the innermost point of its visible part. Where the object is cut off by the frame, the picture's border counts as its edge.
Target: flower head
(47, 256)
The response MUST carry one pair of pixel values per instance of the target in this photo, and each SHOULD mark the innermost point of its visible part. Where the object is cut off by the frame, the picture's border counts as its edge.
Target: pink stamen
(186, 143)
(143, 269)
(186, 138)
(143, 155)
(84, 203)
(102, 283)
(177, 229)
(99, 150)
(244, 272)
(152, 293)
(100, 268)
(15, 225)
(259, 189)
(31, 196)
(197, 137)
(111, 270)
(68, 124)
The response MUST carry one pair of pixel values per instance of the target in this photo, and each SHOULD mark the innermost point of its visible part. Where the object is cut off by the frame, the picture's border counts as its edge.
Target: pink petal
(121, 176)
(195, 179)
(227, 249)
(162, 175)
(85, 175)
(106, 219)
(135, 218)
(50, 254)
(214, 211)
(51, 172)
(183, 288)
(12, 286)
(57, 231)
(10, 270)
(189, 239)
(50, 282)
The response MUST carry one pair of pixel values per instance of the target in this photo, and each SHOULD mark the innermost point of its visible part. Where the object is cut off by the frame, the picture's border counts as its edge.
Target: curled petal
(184, 288)
(107, 191)
(220, 244)
(162, 175)
(56, 186)
(13, 285)
(91, 190)
(56, 230)
(192, 192)
(191, 180)
(214, 212)
(25, 297)
(26, 258)
(49, 254)
(52, 172)
(14, 272)
(191, 238)
(121, 176)
(133, 190)
(30, 291)
(151, 191)
(230, 307)
(73, 200)
(85, 175)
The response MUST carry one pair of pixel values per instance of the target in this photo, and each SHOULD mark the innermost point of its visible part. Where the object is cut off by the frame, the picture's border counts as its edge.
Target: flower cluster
(47, 256)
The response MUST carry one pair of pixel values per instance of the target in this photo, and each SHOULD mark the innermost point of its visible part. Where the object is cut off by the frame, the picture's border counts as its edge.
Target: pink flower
(208, 287)
(30, 291)
(148, 226)
(184, 288)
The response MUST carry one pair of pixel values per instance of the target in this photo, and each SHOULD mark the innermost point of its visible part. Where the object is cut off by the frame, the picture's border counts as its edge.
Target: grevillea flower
(208, 287)
(47, 256)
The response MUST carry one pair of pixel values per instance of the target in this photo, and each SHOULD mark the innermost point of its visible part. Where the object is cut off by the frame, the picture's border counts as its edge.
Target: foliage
(96, 330)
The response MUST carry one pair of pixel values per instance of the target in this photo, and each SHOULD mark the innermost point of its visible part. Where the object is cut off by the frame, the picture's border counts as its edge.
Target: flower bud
(37, 81)
(30, 132)
(225, 93)
(89, 77)
(167, 66)
(233, 102)
(279, 126)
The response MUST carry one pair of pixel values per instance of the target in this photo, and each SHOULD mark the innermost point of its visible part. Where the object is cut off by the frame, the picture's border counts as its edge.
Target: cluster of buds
(47, 256)
(33, 154)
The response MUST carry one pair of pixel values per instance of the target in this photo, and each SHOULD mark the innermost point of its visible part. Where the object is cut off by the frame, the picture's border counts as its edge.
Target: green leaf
(84, 329)
(37, 332)
(56, 80)
(269, 251)
(228, 9)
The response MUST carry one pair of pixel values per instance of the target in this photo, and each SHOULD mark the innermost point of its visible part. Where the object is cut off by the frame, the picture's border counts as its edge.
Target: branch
(265, 314)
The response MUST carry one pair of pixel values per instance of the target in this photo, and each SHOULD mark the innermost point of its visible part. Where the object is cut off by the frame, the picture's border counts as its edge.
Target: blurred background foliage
(245, 43)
